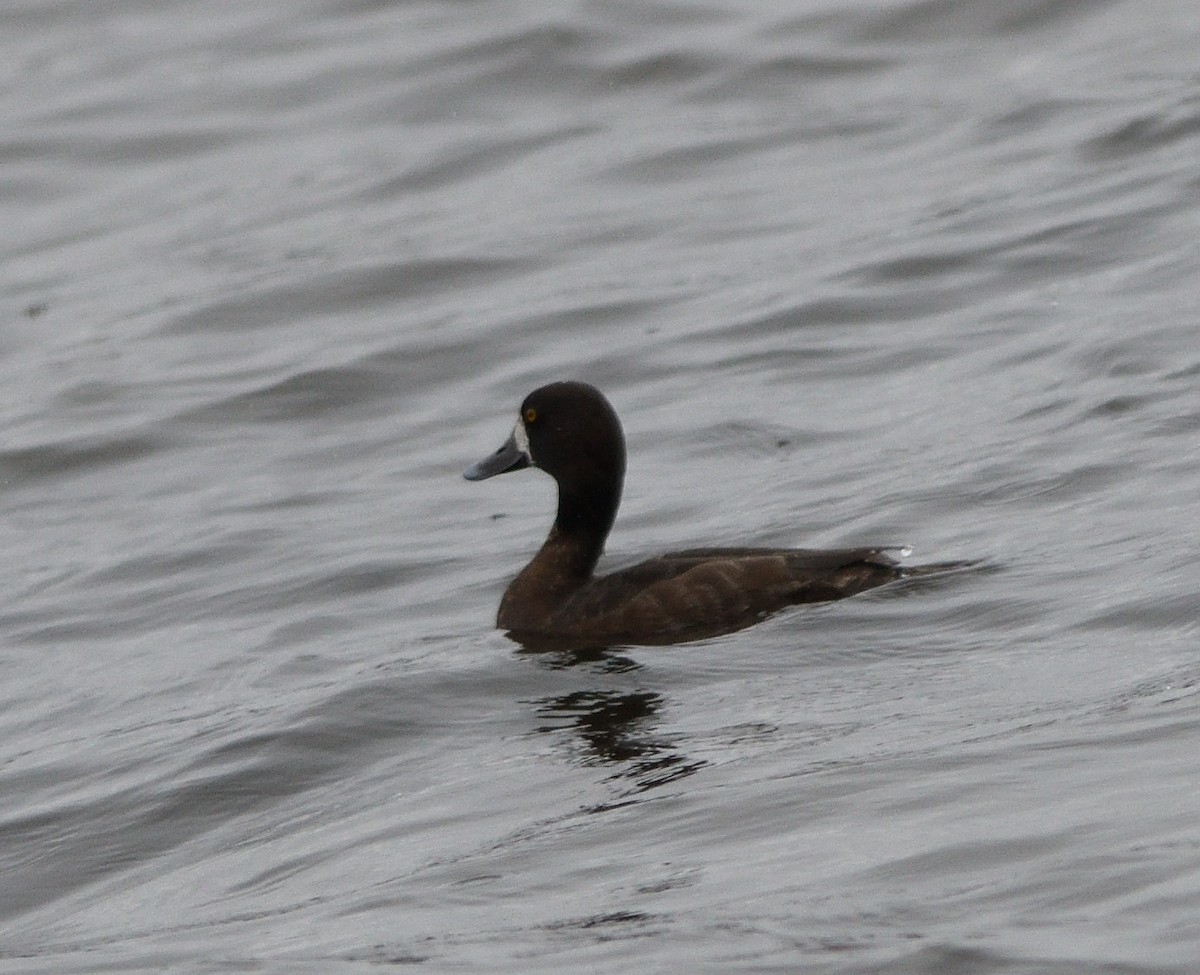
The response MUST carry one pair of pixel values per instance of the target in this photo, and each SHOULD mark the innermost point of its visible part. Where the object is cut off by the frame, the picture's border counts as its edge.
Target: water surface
(855, 273)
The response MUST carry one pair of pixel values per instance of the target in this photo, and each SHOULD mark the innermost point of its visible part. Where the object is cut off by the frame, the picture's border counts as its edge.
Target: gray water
(917, 272)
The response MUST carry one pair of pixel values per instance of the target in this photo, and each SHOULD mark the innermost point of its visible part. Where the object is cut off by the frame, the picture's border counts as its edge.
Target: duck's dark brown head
(569, 430)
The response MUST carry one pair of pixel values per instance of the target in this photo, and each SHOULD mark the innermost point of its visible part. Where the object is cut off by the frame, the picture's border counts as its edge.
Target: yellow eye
(530, 415)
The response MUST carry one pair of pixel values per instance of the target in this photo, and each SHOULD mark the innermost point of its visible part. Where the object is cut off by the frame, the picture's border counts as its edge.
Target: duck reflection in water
(614, 728)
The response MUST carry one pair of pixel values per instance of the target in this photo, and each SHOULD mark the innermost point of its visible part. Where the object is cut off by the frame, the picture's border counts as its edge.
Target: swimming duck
(570, 431)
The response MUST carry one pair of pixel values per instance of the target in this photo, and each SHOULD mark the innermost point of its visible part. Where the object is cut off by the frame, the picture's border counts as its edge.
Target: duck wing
(720, 589)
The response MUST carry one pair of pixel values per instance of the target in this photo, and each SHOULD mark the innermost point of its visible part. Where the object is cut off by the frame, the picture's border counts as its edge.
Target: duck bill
(509, 457)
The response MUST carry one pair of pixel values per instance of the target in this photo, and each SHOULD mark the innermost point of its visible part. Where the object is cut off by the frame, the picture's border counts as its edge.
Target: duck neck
(585, 517)
(566, 559)
(562, 565)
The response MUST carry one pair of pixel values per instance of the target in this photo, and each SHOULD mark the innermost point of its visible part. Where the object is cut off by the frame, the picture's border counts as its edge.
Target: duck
(570, 431)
